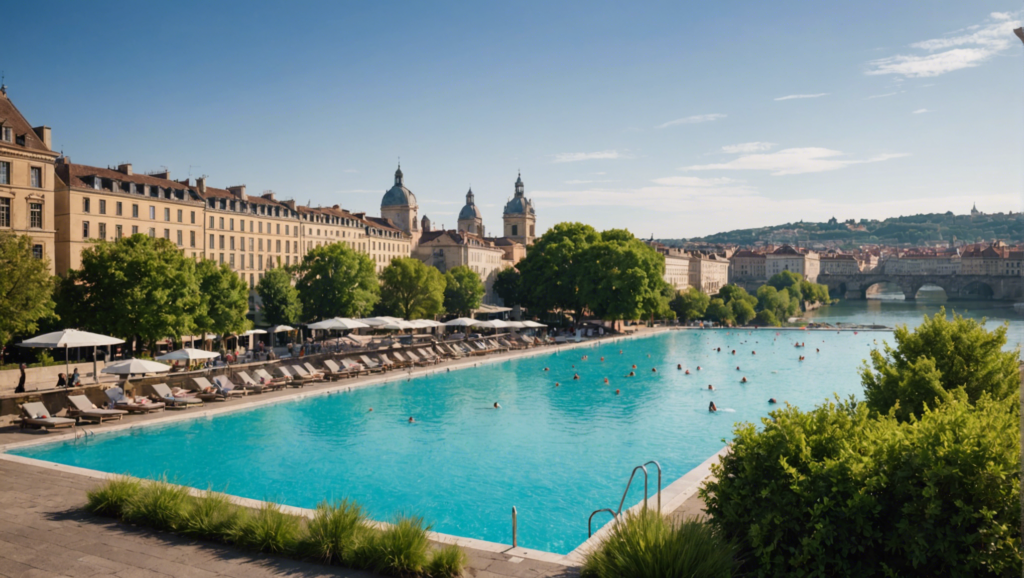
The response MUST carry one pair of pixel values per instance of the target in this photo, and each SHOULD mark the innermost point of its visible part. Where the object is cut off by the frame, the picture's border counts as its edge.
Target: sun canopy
(425, 323)
(326, 324)
(492, 324)
(515, 324)
(533, 324)
(347, 323)
(460, 322)
(255, 332)
(378, 321)
(281, 328)
(135, 366)
(70, 338)
(187, 354)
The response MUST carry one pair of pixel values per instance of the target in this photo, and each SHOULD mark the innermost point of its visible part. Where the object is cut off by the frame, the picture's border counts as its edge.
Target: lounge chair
(83, 409)
(133, 404)
(296, 379)
(370, 364)
(164, 394)
(215, 391)
(304, 372)
(250, 384)
(319, 373)
(428, 355)
(355, 367)
(265, 376)
(35, 415)
(386, 362)
(226, 385)
(402, 361)
(335, 371)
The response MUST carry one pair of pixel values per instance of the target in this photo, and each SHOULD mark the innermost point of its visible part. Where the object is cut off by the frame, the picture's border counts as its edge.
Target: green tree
(336, 281)
(938, 357)
(281, 304)
(742, 310)
(463, 291)
(787, 280)
(26, 287)
(411, 290)
(550, 270)
(509, 286)
(136, 287)
(767, 317)
(620, 277)
(691, 304)
(719, 312)
(223, 300)
(779, 303)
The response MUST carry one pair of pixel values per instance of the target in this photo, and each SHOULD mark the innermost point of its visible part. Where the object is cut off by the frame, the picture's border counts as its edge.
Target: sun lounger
(164, 394)
(133, 405)
(266, 378)
(372, 365)
(229, 387)
(402, 360)
(336, 371)
(355, 366)
(297, 379)
(35, 415)
(386, 361)
(428, 355)
(83, 409)
(215, 392)
(318, 373)
(304, 374)
(250, 384)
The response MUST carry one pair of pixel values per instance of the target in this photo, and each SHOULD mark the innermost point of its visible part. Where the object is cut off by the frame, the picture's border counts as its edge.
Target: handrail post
(515, 523)
(657, 465)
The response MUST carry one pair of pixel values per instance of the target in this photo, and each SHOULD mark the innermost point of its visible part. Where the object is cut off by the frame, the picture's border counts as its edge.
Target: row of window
(119, 210)
(35, 214)
(35, 175)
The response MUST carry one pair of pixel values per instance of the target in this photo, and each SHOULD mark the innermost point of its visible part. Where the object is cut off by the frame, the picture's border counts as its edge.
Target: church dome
(398, 195)
(519, 204)
(470, 210)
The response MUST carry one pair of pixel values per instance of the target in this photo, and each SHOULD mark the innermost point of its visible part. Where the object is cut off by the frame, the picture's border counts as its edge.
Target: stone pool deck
(45, 532)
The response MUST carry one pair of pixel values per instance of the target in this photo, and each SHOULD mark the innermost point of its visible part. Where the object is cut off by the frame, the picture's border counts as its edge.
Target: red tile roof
(11, 117)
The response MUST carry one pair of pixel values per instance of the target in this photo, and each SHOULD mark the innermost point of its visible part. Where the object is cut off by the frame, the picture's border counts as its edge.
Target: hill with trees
(920, 229)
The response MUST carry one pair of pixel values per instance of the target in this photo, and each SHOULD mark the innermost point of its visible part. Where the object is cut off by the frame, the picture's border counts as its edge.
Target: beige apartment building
(27, 180)
(922, 264)
(708, 272)
(94, 204)
(446, 250)
(838, 264)
(747, 265)
(385, 241)
(677, 265)
(786, 258)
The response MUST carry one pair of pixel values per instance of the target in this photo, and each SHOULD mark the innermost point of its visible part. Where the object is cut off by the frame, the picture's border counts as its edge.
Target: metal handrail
(629, 483)
(590, 521)
(515, 524)
(657, 465)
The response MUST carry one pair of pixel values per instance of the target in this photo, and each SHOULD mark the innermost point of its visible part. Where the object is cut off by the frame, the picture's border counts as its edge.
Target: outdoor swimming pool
(556, 453)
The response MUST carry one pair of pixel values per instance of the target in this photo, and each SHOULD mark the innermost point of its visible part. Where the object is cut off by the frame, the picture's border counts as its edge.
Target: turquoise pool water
(556, 453)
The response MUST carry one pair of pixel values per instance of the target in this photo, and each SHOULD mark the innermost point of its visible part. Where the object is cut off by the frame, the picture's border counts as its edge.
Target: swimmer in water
(753, 353)
(744, 380)
(712, 407)
(737, 368)
(606, 380)
(772, 400)
(687, 372)
(576, 376)
(620, 352)
(816, 350)
(411, 420)
(371, 409)
(698, 368)
(602, 358)
(734, 352)
(631, 374)
(497, 405)
(654, 370)
(557, 384)
(616, 392)
(634, 366)
(545, 369)
(711, 387)
(719, 349)
(801, 358)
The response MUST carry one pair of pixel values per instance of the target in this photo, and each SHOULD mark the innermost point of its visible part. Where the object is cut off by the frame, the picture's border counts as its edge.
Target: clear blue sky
(665, 118)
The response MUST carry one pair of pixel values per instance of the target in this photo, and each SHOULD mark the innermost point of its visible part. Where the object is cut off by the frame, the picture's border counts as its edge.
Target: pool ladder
(617, 514)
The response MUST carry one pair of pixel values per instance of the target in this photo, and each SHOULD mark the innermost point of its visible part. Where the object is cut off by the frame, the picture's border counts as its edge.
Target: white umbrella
(133, 366)
(350, 323)
(326, 324)
(398, 325)
(533, 324)
(515, 324)
(460, 322)
(187, 354)
(72, 338)
(377, 321)
(492, 324)
(427, 323)
(281, 328)
(255, 332)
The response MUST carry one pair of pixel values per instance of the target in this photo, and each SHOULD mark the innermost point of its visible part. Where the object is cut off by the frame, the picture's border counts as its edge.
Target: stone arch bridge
(855, 286)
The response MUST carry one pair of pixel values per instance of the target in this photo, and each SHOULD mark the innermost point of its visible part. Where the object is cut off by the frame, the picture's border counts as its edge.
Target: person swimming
(801, 358)
(719, 350)
(744, 380)
(753, 353)
(631, 374)
(679, 366)
(371, 409)
(712, 407)
(616, 392)
(545, 369)
(816, 350)
(687, 372)
(737, 368)
(411, 420)
(772, 400)
(734, 352)
(711, 387)
(557, 384)
(576, 376)
(654, 370)
(698, 368)
(634, 366)
(602, 358)
(497, 405)
(606, 380)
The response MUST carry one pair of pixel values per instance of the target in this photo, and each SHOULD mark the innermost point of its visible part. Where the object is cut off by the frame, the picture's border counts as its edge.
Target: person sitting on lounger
(76, 380)
(62, 381)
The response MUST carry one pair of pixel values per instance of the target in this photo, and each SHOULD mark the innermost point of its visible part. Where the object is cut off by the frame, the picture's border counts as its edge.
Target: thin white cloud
(600, 155)
(920, 111)
(747, 147)
(796, 96)
(695, 119)
(965, 48)
(583, 182)
(883, 95)
(794, 161)
(351, 171)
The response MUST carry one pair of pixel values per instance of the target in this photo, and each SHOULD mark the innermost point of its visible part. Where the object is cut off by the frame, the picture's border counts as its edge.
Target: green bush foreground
(646, 545)
(338, 533)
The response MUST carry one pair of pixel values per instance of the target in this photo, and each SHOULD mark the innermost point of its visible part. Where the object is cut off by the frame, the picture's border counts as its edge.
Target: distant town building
(838, 264)
(746, 265)
(708, 272)
(801, 261)
(677, 265)
(519, 217)
(446, 250)
(470, 219)
(399, 205)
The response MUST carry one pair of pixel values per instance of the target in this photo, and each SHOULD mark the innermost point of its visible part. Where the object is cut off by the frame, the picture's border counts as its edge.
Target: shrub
(446, 562)
(211, 517)
(838, 492)
(112, 497)
(267, 530)
(938, 357)
(646, 545)
(159, 505)
(399, 550)
(334, 533)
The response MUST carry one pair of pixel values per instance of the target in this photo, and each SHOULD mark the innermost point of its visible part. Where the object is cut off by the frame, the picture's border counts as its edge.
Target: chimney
(64, 159)
(161, 175)
(269, 195)
(126, 168)
(290, 204)
(238, 191)
(337, 207)
(359, 215)
(43, 132)
(201, 185)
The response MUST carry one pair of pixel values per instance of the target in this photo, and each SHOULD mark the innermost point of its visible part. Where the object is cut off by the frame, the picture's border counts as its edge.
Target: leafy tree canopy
(138, 286)
(224, 300)
(509, 286)
(336, 281)
(411, 290)
(550, 276)
(281, 305)
(463, 291)
(26, 287)
(938, 357)
(719, 312)
(690, 304)
(620, 277)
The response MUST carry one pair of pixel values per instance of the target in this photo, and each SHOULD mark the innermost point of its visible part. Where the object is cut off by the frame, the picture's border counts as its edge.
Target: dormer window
(6, 134)
(97, 183)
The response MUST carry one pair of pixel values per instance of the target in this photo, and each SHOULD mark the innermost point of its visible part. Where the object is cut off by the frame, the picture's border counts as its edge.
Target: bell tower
(519, 217)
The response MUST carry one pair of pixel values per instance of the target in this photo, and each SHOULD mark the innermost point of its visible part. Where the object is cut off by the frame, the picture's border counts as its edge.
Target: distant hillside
(911, 230)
